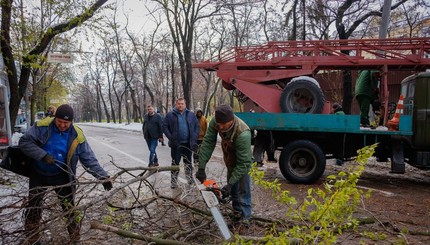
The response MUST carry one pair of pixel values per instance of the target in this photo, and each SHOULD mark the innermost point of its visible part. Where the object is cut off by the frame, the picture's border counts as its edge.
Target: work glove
(226, 190)
(48, 159)
(201, 175)
(107, 184)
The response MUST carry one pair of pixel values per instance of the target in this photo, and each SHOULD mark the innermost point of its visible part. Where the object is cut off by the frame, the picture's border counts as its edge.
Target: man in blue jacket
(182, 129)
(56, 145)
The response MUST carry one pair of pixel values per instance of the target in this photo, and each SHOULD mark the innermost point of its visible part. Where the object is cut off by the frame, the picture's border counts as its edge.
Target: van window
(411, 90)
(39, 115)
(404, 89)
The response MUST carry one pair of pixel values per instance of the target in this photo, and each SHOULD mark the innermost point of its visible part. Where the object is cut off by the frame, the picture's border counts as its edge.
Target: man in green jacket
(366, 91)
(236, 147)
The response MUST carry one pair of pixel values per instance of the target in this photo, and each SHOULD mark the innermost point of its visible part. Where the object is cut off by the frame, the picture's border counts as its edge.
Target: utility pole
(383, 30)
(386, 10)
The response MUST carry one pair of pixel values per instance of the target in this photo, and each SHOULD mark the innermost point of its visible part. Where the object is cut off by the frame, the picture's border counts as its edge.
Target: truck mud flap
(398, 156)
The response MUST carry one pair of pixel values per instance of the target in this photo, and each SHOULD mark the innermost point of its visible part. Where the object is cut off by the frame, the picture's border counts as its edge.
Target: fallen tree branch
(291, 241)
(133, 235)
(114, 190)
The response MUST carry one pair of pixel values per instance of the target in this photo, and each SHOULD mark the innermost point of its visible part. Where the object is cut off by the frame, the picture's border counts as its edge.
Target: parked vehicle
(277, 82)
(5, 127)
(39, 116)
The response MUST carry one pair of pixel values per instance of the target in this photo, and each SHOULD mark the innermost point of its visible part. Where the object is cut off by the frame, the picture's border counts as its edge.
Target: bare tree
(18, 81)
(349, 16)
(144, 51)
(182, 17)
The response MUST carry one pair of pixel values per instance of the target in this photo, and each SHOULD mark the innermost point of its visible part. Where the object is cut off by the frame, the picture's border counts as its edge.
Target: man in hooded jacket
(203, 124)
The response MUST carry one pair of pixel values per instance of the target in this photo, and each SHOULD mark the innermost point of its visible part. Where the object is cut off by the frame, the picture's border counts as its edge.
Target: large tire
(302, 162)
(302, 95)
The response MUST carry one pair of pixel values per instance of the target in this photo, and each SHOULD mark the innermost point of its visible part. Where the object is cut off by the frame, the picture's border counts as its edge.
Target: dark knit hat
(336, 106)
(223, 114)
(64, 112)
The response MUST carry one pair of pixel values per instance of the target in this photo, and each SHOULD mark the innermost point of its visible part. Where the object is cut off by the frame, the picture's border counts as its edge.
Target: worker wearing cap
(56, 145)
(236, 147)
(337, 109)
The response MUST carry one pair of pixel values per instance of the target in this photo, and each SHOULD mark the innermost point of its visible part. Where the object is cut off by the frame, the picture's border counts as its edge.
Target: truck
(272, 80)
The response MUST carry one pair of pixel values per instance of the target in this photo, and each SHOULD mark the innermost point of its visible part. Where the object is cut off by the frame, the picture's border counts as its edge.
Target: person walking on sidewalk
(152, 132)
(236, 147)
(56, 145)
(182, 129)
(203, 124)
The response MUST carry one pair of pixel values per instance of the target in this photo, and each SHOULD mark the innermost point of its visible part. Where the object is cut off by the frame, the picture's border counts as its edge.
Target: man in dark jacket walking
(56, 145)
(152, 132)
(182, 129)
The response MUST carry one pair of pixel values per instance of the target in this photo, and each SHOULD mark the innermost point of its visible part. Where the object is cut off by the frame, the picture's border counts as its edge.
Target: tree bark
(18, 88)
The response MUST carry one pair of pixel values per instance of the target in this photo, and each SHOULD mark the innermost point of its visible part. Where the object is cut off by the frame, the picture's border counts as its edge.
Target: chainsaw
(211, 194)
(211, 185)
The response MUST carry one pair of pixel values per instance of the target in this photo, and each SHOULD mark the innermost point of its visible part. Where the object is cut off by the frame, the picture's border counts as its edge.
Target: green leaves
(324, 212)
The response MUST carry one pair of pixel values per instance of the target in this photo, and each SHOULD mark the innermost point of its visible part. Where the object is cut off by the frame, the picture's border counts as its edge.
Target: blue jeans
(152, 145)
(182, 151)
(241, 197)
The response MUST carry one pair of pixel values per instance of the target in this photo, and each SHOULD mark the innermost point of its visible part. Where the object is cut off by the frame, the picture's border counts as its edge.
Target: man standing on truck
(366, 91)
(236, 147)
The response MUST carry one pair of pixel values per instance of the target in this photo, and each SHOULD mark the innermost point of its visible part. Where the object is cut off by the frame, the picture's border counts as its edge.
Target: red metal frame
(287, 59)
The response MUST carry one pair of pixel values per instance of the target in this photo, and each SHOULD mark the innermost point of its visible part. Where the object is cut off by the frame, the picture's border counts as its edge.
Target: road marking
(180, 179)
(122, 152)
(385, 193)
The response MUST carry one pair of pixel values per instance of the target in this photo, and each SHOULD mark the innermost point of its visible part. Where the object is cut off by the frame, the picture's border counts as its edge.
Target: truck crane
(273, 79)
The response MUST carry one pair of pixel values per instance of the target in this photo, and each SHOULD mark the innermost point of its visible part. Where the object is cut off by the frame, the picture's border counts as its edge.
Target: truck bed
(318, 123)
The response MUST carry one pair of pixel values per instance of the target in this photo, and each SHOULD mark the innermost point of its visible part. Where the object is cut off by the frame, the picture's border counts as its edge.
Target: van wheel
(302, 95)
(302, 162)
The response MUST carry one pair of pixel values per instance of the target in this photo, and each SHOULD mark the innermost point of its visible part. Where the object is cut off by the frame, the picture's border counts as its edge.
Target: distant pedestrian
(263, 142)
(152, 132)
(366, 91)
(51, 111)
(337, 109)
(182, 129)
(203, 123)
(56, 145)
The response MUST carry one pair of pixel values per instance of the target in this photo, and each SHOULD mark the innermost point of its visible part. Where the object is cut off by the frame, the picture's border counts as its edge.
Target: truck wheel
(302, 162)
(302, 95)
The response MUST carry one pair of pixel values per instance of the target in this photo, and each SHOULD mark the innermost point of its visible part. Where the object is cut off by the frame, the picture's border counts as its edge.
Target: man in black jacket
(152, 131)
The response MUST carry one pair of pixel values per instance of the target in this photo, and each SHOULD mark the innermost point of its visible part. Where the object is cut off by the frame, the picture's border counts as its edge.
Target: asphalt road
(128, 149)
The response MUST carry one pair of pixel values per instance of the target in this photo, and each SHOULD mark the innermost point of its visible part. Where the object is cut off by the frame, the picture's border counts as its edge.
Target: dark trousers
(152, 146)
(182, 151)
(38, 187)
(364, 103)
(196, 154)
